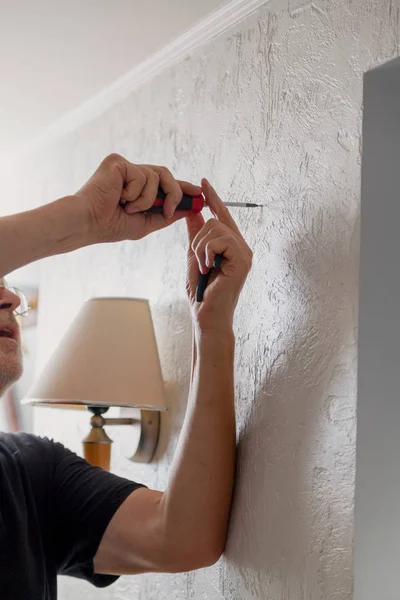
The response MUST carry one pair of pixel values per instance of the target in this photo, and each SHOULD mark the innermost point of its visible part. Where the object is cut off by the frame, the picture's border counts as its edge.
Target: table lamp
(108, 357)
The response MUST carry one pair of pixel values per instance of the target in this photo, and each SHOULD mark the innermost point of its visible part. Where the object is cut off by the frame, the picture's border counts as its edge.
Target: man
(58, 514)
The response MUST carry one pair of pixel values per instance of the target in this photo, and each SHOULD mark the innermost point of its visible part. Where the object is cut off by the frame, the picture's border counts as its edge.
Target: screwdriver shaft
(242, 204)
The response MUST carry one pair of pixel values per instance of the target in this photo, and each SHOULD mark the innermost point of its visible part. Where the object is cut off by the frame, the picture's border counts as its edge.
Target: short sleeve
(84, 499)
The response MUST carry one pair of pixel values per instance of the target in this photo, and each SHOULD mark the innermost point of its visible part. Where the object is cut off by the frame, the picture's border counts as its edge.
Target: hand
(117, 179)
(218, 236)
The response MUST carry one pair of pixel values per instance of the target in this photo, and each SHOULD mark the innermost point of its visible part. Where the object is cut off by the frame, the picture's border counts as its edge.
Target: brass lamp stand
(97, 444)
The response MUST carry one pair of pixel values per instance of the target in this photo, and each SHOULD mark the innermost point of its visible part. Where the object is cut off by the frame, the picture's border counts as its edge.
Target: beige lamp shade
(108, 357)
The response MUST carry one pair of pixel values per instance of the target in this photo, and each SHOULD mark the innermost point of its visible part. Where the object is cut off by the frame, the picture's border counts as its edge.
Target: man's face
(10, 347)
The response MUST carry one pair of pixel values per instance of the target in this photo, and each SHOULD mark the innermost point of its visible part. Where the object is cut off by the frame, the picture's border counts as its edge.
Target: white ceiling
(55, 55)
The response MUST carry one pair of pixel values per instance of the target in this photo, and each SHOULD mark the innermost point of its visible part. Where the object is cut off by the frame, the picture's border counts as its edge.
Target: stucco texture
(270, 111)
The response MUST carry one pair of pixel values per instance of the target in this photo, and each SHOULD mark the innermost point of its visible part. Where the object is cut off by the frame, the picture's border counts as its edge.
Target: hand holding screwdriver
(219, 243)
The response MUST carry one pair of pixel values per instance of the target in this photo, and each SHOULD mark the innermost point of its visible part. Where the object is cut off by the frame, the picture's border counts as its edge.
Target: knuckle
(200, 254)
(179, 196)
(154, 176)
(112, 159)
(224, 230)
(164, 171)
(227, 230)
(142, 177)
(198, 248)
(145, 170)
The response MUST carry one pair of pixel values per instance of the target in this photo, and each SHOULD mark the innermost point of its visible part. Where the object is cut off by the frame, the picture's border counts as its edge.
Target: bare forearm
(197, 502)
(55, 228)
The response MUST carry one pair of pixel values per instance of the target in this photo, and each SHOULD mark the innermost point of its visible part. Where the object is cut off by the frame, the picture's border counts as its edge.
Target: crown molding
(210, 27)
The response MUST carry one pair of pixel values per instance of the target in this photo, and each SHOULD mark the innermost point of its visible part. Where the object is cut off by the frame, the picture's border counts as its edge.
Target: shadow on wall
(286, 493)
(174, 333)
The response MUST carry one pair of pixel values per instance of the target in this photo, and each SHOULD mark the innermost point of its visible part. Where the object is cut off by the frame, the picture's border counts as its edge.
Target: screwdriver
(194, 204)
(203, 277)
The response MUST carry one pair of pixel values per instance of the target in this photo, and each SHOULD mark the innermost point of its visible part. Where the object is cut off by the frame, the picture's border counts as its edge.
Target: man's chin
(10, 371)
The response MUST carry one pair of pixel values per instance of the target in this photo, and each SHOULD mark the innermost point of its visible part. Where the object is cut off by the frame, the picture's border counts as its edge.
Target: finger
(132, 178)
(195, 223)
(148, 223)
(217, 207)
(210, 255)
(208, 225)
(199, 249)
(224, 245)
(211, 247)
(189, 188)
(148, 194)
(170, 187)
(211, 225)
(133, 187)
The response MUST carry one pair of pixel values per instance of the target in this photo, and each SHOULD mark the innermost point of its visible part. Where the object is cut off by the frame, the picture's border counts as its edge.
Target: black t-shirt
(54, 510)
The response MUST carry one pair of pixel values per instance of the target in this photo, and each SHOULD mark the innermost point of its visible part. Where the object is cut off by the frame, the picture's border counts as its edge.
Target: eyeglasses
(23, 308)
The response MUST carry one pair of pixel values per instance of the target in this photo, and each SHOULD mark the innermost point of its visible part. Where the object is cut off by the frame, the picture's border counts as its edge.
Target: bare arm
(185, 528)
(198, 498)
(55, 228)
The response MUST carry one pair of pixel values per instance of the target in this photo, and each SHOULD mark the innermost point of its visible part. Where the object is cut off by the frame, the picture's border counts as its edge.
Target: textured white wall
(270, 111)
(54, 56)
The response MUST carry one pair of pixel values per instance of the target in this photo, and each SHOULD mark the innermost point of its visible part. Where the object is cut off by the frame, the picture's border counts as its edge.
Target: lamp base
(97, 444)
(98, 454)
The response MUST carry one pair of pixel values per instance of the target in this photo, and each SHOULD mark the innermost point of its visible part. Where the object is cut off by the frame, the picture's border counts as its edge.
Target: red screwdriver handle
(194, 204)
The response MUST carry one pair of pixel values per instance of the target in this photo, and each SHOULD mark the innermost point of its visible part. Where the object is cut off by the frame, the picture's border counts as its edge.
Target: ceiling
(56, 55)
